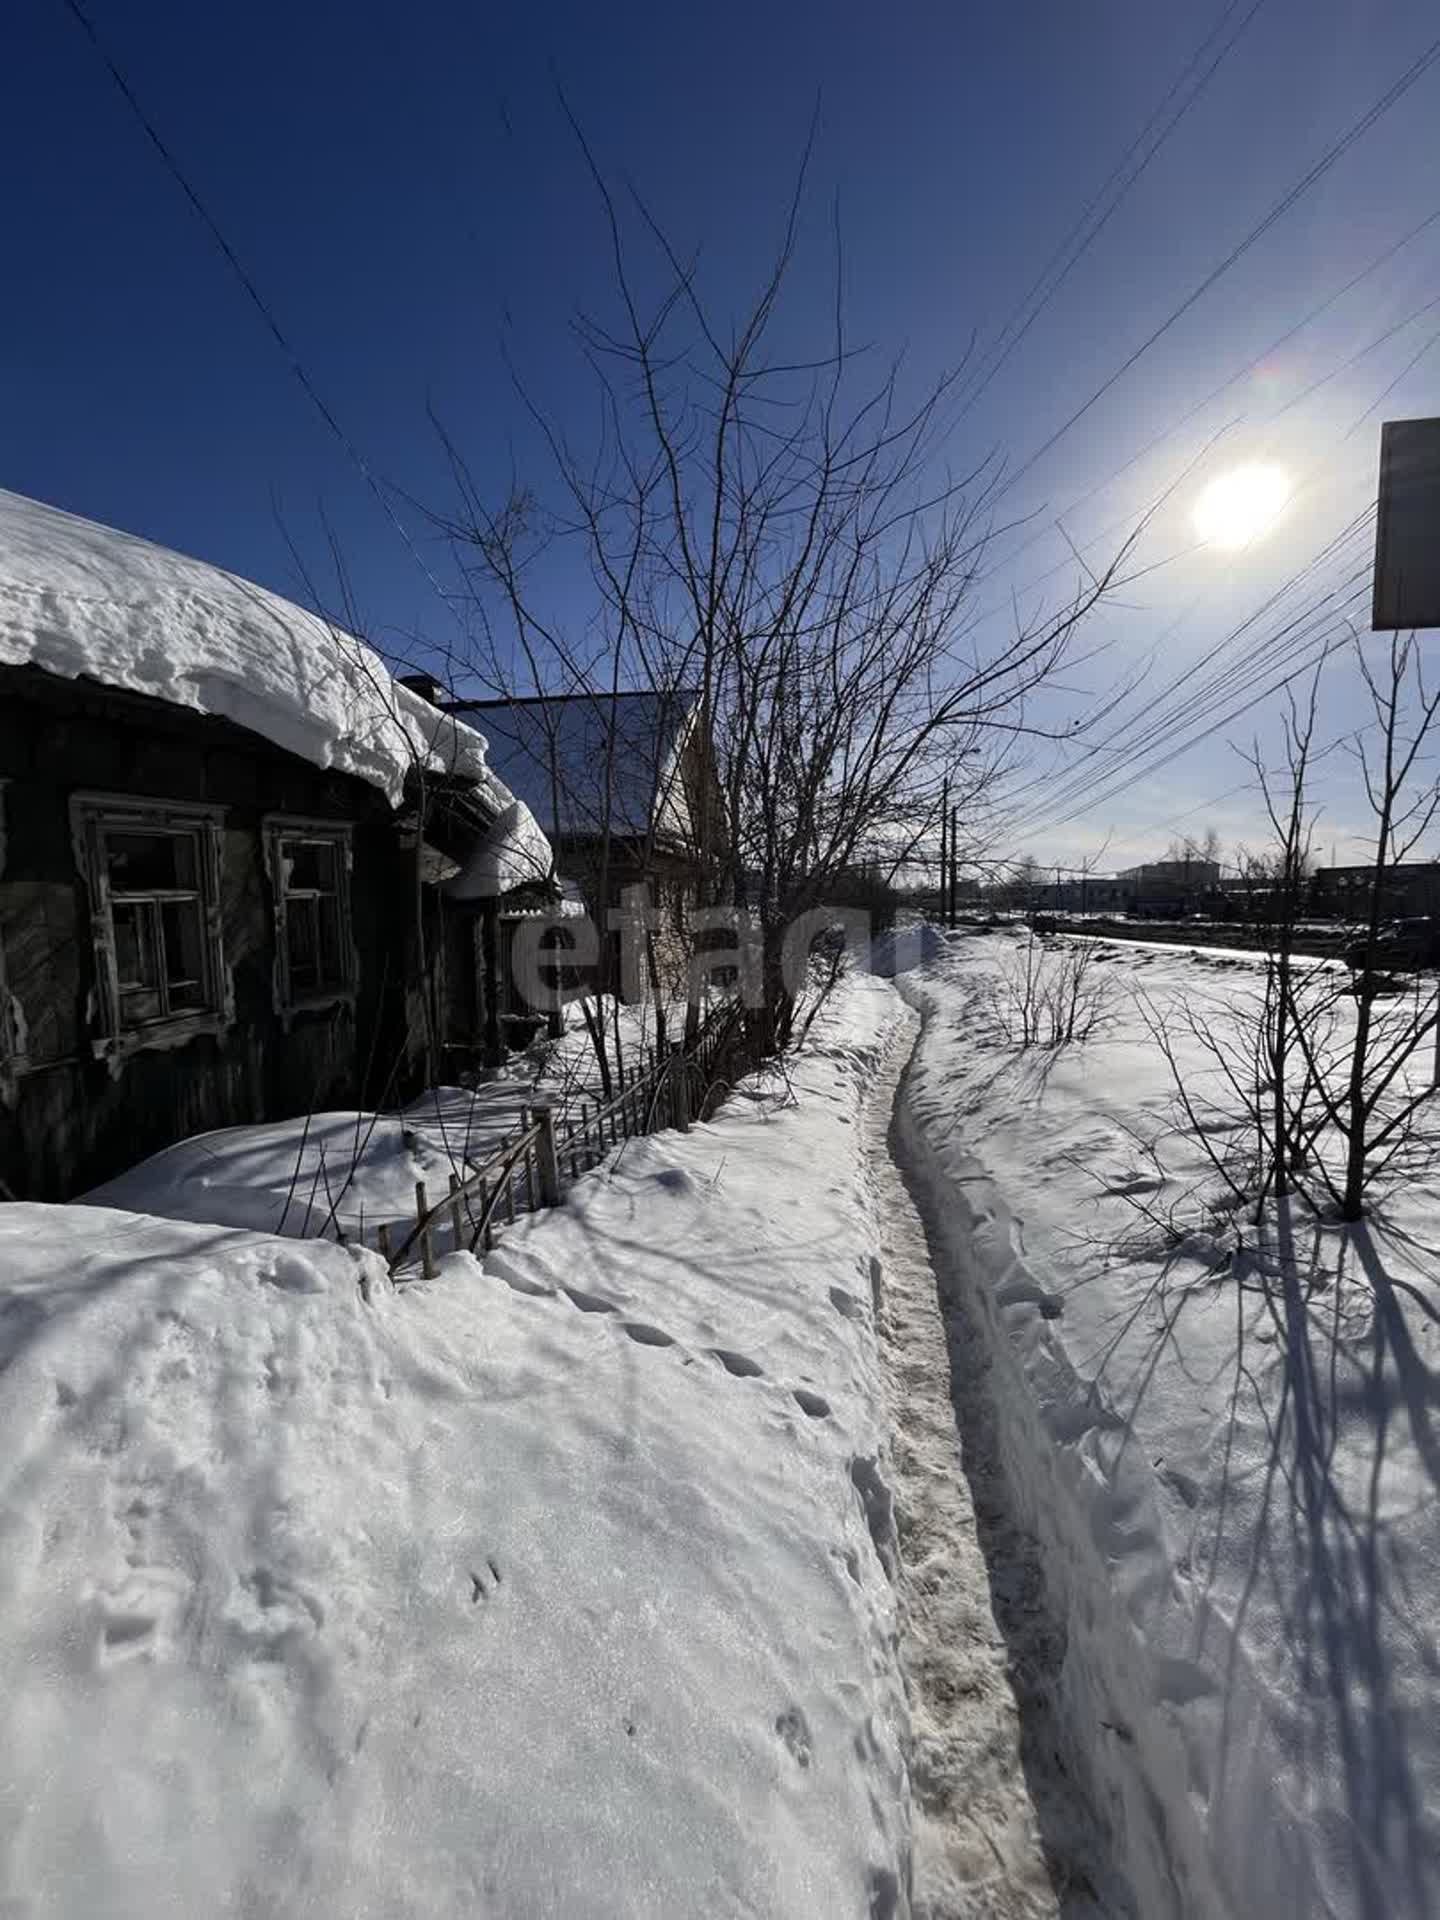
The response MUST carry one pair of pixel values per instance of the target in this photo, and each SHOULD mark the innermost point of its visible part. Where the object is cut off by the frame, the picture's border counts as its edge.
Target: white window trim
(91, 815)
(277, 827)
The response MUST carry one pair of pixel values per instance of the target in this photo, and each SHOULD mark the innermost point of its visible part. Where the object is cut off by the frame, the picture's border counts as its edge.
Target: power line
(1409, 367)
(257, 299)
(1136, 515)
(1381, 259)
(1156, 727)
(1414, 72)
(1308, 638)
(1077, 229)
(1123, 739)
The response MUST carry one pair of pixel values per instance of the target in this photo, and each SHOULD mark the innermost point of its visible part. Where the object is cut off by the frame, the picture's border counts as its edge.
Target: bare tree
(1329, 1066)
(1281, 1108)
(784, 536)
(1373, 1093)
(1051, 995)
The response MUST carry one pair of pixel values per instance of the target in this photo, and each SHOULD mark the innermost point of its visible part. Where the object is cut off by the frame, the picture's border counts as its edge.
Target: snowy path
(1222, 1440)
(999, 1830)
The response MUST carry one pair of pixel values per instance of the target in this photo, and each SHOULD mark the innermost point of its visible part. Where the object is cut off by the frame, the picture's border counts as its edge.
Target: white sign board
(1407, 527)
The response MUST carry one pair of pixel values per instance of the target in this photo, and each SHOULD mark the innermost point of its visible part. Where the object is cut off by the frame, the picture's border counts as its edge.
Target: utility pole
(944, 824)
(954, 865)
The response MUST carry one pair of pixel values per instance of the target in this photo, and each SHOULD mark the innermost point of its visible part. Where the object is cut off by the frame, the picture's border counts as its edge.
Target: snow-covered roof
(514, 853)
(79, 599)
(553, 752)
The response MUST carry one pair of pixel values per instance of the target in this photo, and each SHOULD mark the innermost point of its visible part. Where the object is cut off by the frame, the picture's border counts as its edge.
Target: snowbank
(548, 1587)
(305, 1175)
(1242, 1444)
(78, 598)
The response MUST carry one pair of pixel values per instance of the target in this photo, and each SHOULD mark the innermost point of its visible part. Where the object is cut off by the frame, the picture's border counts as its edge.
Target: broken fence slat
(422, 1220)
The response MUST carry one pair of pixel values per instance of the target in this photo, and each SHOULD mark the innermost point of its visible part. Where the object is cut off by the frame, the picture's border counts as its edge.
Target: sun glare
(1241, 506)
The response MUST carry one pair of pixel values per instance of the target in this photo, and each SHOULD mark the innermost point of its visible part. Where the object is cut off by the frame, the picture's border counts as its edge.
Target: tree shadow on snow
(1324, 1540)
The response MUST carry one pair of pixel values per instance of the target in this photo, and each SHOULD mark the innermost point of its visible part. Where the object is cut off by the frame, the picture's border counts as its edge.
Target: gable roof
(80, 599)
(552, 751)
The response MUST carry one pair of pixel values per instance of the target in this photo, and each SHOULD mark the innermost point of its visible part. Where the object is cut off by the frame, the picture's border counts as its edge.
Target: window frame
(13, 1057)
(277, 829)
(94, 816)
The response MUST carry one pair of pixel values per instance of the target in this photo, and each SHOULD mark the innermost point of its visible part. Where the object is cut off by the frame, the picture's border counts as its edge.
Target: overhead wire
(1288, 646)
(1251, 366)
(1372, 115)
(256, 298)
(1131, 733)
(1077, 241)
(1132, 519)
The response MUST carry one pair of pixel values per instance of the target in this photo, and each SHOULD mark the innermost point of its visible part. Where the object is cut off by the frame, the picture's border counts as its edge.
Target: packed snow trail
(999, 1831)
(1102, 1760)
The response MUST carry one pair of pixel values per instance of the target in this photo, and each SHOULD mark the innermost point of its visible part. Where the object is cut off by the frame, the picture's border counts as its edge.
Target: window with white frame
(153, 873)
(309, 865)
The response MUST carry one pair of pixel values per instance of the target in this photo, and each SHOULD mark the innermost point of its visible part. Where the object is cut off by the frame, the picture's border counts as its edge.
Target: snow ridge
(1077, 1655)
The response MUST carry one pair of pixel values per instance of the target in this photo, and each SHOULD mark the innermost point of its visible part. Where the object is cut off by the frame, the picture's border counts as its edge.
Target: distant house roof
(1194, 868)
(582, 761)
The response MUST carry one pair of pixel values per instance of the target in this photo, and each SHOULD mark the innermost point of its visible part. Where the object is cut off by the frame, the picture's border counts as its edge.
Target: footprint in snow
(505, 1268)
(738, 1364)
(648, 1336)
(134, 1620)
(794, 1730)
(1135, 1184)
(1184, 1485)
(589, 1302)
(483, 1585)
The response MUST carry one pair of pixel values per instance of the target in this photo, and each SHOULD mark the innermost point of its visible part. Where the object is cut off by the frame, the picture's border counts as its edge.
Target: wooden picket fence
(532, 1166)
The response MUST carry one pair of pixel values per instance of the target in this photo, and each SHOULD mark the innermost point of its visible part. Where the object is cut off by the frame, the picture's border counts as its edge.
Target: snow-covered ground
(1237, 1429)
(311, 1174)
(308, 1175)
(555, 1586)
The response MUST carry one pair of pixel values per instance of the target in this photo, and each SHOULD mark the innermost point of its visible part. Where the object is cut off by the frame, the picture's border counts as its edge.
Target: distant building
(1411, 891)
(1159, 887)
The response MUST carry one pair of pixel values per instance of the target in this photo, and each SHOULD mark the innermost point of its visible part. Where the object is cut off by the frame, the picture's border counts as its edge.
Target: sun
(1241, 506)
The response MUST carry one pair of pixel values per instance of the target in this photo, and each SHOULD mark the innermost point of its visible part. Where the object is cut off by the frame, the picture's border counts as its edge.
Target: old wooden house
(244, 874)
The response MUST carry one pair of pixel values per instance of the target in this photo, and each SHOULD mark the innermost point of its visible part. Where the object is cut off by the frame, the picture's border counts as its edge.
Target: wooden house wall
(69, 1120)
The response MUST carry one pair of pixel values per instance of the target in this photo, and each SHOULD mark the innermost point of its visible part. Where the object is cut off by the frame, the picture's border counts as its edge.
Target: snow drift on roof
(78, 599)
(514, 853)
(554, 753)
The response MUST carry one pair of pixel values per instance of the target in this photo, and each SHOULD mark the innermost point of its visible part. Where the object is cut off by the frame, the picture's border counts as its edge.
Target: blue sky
(402, 186)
